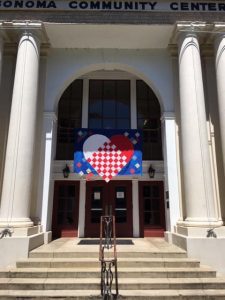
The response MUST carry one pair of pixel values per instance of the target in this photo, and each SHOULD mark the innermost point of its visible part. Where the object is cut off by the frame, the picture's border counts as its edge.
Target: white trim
(49, 131)
(135, 201)
(50, 115)
(85, 101)
(171, 171)
(82, 203)
(133, 104)
(109, 74)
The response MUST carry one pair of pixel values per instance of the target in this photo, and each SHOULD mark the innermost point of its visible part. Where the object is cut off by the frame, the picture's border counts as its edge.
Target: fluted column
(198, 187)
(220, 76)
(18, 172)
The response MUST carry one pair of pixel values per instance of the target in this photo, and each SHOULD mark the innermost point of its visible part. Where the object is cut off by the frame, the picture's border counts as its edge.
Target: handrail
(108, 242)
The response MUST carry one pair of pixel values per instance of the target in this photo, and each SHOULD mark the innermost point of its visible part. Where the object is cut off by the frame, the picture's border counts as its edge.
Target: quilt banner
(107, 152)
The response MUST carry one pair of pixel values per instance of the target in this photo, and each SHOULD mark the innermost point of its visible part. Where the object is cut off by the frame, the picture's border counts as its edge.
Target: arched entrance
(110, 100)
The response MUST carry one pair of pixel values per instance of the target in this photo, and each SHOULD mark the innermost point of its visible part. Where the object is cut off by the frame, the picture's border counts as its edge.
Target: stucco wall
(153, 66)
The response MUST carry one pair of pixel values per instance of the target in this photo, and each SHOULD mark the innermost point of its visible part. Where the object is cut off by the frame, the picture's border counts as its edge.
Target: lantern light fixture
(66, 171)
(151, 172)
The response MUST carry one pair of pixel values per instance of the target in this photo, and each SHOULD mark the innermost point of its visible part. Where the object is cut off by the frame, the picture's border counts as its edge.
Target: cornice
(206, 33)
(11, 31)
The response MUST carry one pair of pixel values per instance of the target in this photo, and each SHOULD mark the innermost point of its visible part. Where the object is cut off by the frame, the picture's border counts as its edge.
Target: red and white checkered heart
(108, 156)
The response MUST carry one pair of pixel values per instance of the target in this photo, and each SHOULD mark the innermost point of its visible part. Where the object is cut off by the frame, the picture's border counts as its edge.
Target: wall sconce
(66, 171)
(151, 172)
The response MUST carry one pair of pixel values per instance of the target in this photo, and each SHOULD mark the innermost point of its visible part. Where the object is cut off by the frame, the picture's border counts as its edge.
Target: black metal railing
(108, 258)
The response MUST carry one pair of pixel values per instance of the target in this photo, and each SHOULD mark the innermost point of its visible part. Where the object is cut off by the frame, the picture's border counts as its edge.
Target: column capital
(185, 29)
(189, 38)
(29, 34)
(13, 31)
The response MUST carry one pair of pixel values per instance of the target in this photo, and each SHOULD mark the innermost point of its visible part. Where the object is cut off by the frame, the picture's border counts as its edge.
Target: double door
(113, 198)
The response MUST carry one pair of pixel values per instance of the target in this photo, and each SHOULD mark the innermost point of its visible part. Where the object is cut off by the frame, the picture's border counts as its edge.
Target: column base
(200, 223)
(209, 249)
(203, 232)
(16, 223)
(18, 245)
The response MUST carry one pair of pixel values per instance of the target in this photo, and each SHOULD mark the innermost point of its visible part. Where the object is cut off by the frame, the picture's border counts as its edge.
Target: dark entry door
(65, 209)
(114, 197)
(151, 209)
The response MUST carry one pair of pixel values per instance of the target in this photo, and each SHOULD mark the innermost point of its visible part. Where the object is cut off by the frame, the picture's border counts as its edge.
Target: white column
(171, 170)
(198, 188)
(48, 138)
(18, 172)
(135, 200)
(220, 76)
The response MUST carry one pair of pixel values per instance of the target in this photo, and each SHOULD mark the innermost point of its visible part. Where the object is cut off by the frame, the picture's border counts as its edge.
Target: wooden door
(151, 209)
(102, 198)
(65, 209)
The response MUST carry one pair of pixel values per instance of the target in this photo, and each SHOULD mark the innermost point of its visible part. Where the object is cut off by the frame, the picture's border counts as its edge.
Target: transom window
(109, 104)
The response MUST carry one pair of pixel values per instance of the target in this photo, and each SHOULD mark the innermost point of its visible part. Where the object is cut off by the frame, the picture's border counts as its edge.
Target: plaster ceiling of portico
(108, 36)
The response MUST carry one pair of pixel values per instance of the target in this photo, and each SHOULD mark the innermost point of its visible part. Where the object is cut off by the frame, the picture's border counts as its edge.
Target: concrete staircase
(144, 273)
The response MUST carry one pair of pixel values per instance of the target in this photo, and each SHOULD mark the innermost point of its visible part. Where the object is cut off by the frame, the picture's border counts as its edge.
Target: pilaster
(173, 203)
(48, 141)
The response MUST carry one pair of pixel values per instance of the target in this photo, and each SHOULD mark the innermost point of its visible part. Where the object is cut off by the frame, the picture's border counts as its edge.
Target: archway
(116, 112)
(115, 100)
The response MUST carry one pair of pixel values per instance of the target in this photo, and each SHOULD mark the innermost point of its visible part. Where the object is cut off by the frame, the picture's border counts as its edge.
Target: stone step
(124, 294)
(93, 263)
(124, 283)
(69, 254)
(202, 272)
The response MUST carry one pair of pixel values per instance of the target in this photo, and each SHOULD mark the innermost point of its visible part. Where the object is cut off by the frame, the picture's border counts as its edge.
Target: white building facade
(155, 66)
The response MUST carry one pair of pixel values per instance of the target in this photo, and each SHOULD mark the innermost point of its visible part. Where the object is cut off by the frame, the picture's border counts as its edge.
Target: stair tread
(121, 280)
(121, 269)
(134, 293)
(79, 259)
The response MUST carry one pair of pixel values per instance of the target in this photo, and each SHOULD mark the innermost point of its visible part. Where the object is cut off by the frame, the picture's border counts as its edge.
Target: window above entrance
(109, 104)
